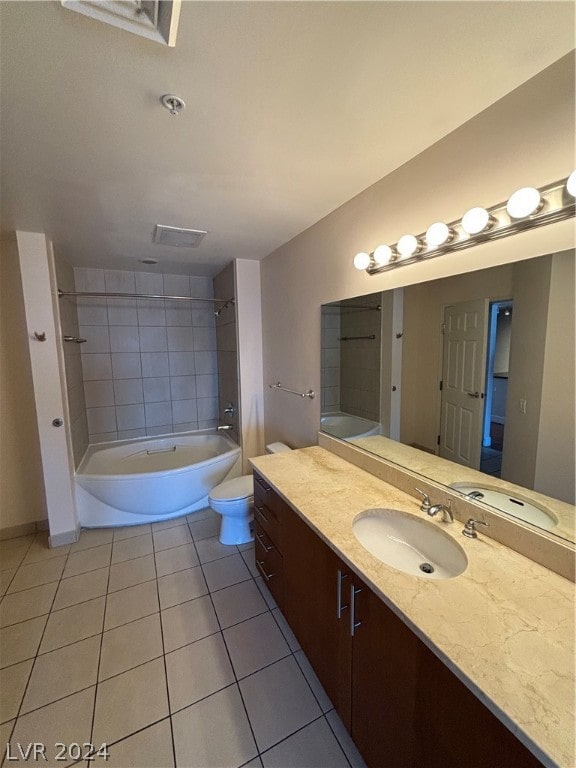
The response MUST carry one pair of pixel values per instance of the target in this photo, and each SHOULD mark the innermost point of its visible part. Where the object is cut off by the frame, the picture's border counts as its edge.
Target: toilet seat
(234, 490)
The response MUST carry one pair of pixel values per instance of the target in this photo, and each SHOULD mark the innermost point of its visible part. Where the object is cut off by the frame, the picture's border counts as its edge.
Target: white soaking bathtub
(152, 478)
(348, 427)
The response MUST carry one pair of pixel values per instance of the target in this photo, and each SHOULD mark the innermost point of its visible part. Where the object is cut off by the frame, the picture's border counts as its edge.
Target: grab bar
(162, 450)
(309, 394)
(352, 338)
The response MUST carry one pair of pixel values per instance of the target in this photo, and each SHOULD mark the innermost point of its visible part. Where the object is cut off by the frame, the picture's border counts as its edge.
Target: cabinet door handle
(339, 606)
(260, 511)
(260, 566)
(265, 488)
(353, 623)
(261, 540)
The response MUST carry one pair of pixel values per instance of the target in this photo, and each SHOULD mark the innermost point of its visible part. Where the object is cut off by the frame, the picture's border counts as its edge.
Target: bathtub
(152, 478)
(347, 427)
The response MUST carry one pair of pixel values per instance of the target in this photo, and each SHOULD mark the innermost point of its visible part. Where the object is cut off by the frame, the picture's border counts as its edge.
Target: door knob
(474, 394)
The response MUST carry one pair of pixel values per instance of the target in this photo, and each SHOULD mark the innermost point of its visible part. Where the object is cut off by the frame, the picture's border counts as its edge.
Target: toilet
(233, 500)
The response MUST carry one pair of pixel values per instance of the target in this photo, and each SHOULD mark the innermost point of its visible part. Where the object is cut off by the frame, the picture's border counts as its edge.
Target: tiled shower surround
(149, 366)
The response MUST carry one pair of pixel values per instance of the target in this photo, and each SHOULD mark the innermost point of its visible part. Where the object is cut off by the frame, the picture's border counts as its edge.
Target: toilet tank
(277, 448)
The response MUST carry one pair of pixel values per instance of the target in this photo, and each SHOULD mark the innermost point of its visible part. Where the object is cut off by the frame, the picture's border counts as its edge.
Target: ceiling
(292, 109)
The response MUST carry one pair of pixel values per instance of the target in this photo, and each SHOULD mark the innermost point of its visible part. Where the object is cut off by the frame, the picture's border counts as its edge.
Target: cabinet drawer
(264, 494)
(270, 566)
(268, 521)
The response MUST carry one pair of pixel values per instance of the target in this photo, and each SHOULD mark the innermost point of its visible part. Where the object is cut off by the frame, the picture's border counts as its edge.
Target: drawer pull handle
(261, 540)
(265, 488)
(260, 511)
(339, 607)
(260, 566)
(353, 623)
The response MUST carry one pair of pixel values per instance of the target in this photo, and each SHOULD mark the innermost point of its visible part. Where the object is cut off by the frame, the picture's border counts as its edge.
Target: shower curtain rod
(95, 295)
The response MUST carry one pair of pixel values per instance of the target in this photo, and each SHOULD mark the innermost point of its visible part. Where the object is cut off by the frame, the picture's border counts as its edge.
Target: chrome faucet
(225, 427)
(425, 506)
(446, 512)
(470, 528)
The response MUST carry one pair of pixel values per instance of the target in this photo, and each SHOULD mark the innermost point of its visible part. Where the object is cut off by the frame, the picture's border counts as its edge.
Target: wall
(149, 366)
(555, 458)
(330, 362)
(525, 138)
(22, 499)
(72, 362)
(227, 345)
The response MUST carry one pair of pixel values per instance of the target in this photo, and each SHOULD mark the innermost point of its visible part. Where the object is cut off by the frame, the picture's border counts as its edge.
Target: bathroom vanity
(475, 670)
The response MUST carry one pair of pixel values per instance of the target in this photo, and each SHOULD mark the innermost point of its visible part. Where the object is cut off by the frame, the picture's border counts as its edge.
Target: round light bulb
(571, 184)
(408, 245)
(437, 234)
(475, 220)
(524, 202)
(362, 260)
(383, 254)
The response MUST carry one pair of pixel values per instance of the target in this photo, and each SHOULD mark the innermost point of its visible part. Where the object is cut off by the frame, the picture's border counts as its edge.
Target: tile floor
(162, 643)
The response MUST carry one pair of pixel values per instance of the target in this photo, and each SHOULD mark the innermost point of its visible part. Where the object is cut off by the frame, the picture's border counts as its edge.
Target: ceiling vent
(178, 237)
(155, 19)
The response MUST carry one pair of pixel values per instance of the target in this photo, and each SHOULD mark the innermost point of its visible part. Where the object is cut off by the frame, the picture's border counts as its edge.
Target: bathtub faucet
(225, 427)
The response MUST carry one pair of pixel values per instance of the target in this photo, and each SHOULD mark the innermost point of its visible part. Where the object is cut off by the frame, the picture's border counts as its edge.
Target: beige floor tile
(128, 549)
(40, 551)
(88, 560)
(130, 604)
(5, 579)
(171, 537)
(36, 574)
(131, 572)
(225, 572)
(20, 641)
(265, 592)
(81, 588)
(197, 670)
(92, 537)
(68, 721)
(130, 701)
(205, 529)
(13, 551)
(212, 549)
(176, 559)
(5, 733)
(214, 732)
(246, 547)
(163, 525)
(350, 749)
(278, 701)
(62, 672)
(181, 586)
(286, 629)
(12, 686)
(201, 514)
(27, 604)
(249, 559)
(72, 624)
(187, 622)
(150, 748)
(254, 644)
(317, 688)
(130, 645)
(238, 603)
(129, 531)
(314, 745)
(256, 763)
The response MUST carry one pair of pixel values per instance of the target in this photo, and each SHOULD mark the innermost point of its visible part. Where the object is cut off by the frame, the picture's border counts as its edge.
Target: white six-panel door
(463, 381)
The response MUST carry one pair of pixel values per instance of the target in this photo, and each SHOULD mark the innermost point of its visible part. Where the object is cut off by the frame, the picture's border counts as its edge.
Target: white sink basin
(409, 543)
(512, 505)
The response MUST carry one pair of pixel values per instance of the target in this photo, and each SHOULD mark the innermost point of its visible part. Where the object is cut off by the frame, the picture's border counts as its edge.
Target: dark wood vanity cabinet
(402, 706)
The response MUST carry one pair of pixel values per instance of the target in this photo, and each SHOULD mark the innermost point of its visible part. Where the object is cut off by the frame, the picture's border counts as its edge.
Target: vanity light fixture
(476, 220)
(524, 202)
(527, 208)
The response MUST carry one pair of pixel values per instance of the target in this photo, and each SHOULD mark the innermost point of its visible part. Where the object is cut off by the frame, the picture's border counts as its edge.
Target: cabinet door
(310, 607)
(384, 668)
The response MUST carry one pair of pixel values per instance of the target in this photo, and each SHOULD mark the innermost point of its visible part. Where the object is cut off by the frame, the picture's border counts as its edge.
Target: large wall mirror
(467, 380)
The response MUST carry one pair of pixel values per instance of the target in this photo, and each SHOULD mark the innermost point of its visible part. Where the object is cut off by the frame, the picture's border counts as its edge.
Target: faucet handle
(470, 528)
(425, 506)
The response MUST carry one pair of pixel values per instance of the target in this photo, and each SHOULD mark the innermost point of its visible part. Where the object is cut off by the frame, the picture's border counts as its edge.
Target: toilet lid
(237, 488)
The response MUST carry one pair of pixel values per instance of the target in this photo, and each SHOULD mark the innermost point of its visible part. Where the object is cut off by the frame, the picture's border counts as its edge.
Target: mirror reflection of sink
(512, 505)
(409, 543)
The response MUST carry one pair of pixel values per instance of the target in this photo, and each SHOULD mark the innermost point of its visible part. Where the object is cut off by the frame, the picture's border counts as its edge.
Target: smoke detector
(178, 237)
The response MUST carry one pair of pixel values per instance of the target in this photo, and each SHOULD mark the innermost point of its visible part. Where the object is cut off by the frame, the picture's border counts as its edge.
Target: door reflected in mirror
(472, 374)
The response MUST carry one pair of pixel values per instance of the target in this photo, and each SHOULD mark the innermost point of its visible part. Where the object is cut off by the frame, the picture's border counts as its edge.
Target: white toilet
(233, 499)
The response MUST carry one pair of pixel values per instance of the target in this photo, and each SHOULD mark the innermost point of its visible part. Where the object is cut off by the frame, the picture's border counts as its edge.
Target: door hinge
(443, 329)
(441, 385)
(438, 440)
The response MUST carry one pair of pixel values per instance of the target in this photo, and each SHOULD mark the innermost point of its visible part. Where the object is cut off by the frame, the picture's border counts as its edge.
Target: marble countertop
(505, 626)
